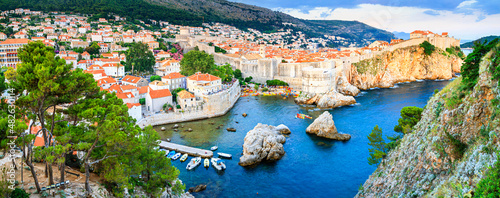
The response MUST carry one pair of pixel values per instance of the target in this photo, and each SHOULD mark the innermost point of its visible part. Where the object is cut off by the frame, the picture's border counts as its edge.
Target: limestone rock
(198, 188)
(344, 87)
(263, 142)
(335, 99)
(332, 99)
(324, 126)
(283, 129)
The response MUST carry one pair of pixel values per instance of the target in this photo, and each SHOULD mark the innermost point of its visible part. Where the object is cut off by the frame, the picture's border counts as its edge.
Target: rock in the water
(175, 126)
(283, 129)
(263, 142)
(190, 129)
(244, 114)
(198, 188)
(163, 128)
(231, 129)
(332, 99)
(324, 126)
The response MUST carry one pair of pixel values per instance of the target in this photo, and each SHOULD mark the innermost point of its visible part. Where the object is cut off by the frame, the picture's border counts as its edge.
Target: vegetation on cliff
(428, 47)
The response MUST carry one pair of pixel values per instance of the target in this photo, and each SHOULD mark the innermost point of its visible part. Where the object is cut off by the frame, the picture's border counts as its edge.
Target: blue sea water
(312, 166)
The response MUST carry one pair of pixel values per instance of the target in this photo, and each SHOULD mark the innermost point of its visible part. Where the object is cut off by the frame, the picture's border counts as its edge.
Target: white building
(114, 69)
(175, 80)
(135, 111)
(155, 99)
(203, 84)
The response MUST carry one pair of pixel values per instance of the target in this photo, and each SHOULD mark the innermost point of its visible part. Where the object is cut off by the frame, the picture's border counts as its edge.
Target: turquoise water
(312, 166)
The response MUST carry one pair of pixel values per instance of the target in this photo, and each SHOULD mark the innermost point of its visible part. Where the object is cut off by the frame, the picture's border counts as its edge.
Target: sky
(463, 19)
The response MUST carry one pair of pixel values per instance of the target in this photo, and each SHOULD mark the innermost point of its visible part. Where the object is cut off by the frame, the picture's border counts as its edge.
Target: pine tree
(378, 151)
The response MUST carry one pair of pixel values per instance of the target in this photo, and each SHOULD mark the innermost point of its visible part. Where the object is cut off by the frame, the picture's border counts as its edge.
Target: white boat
(218, 164)
(214, 148)
(184, 157)
(225, 155)
(193, 163)
(206, 163)
(176, 156)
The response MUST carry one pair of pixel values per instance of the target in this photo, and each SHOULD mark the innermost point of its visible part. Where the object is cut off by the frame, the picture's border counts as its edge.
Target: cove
(312, 166)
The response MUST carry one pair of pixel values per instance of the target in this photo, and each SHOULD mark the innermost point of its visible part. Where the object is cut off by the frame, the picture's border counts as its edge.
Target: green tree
(428, 47)
(156, 168)
(93, 49)
(155, 77)
(3, 84)
(48, 82)
(237, 73)
(377, 152)
(470, 67)
(174, 93)
(248, 79)
(225, 72)
(142, 101)
(140, 58)
(196, 61)
(410, 116)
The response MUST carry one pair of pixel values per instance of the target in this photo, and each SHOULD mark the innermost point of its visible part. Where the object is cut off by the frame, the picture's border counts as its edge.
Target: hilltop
(482, 39)
(195, 12)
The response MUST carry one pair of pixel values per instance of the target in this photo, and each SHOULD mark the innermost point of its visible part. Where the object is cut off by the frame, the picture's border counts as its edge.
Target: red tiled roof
(159, 93)
(130, 105)
(174, 75)
(131, 79)
(203, 77)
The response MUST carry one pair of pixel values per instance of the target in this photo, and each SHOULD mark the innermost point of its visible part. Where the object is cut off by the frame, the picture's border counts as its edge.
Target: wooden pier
(186, 149)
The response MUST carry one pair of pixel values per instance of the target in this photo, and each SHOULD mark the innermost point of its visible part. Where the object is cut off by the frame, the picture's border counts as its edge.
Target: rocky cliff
(401, 65)
(450, 149)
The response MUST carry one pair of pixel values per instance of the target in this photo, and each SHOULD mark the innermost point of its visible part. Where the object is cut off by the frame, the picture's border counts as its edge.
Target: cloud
(471, 25)
(466, 3)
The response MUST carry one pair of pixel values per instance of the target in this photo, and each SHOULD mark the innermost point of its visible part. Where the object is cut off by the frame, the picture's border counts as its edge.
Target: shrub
(489, 186)
(265, 89)
(276, 83)
(439, 108)
(428, 47)
(142, 101)
(19, 193)
(155, 77)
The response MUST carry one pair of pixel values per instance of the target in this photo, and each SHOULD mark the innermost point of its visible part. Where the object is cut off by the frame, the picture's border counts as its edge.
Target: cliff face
(426, 163)
(405, 64)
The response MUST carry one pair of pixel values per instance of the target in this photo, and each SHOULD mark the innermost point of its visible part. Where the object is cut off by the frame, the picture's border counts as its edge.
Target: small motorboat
(214, 148)
(193, 163)
(171, 154)
(176, 156)
(218, 163)
(184, 157)
(206, 163)
(225, 155)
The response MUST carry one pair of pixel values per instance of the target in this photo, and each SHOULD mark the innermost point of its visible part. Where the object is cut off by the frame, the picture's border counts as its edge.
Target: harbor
(186, 149)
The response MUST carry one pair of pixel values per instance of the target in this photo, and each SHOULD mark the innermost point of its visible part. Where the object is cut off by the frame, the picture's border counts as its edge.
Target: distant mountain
(482, 40)
(195, 12)
(402, 35)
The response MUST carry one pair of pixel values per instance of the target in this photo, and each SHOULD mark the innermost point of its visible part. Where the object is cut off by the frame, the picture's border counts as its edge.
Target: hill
(482, 39)
(195, 12)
